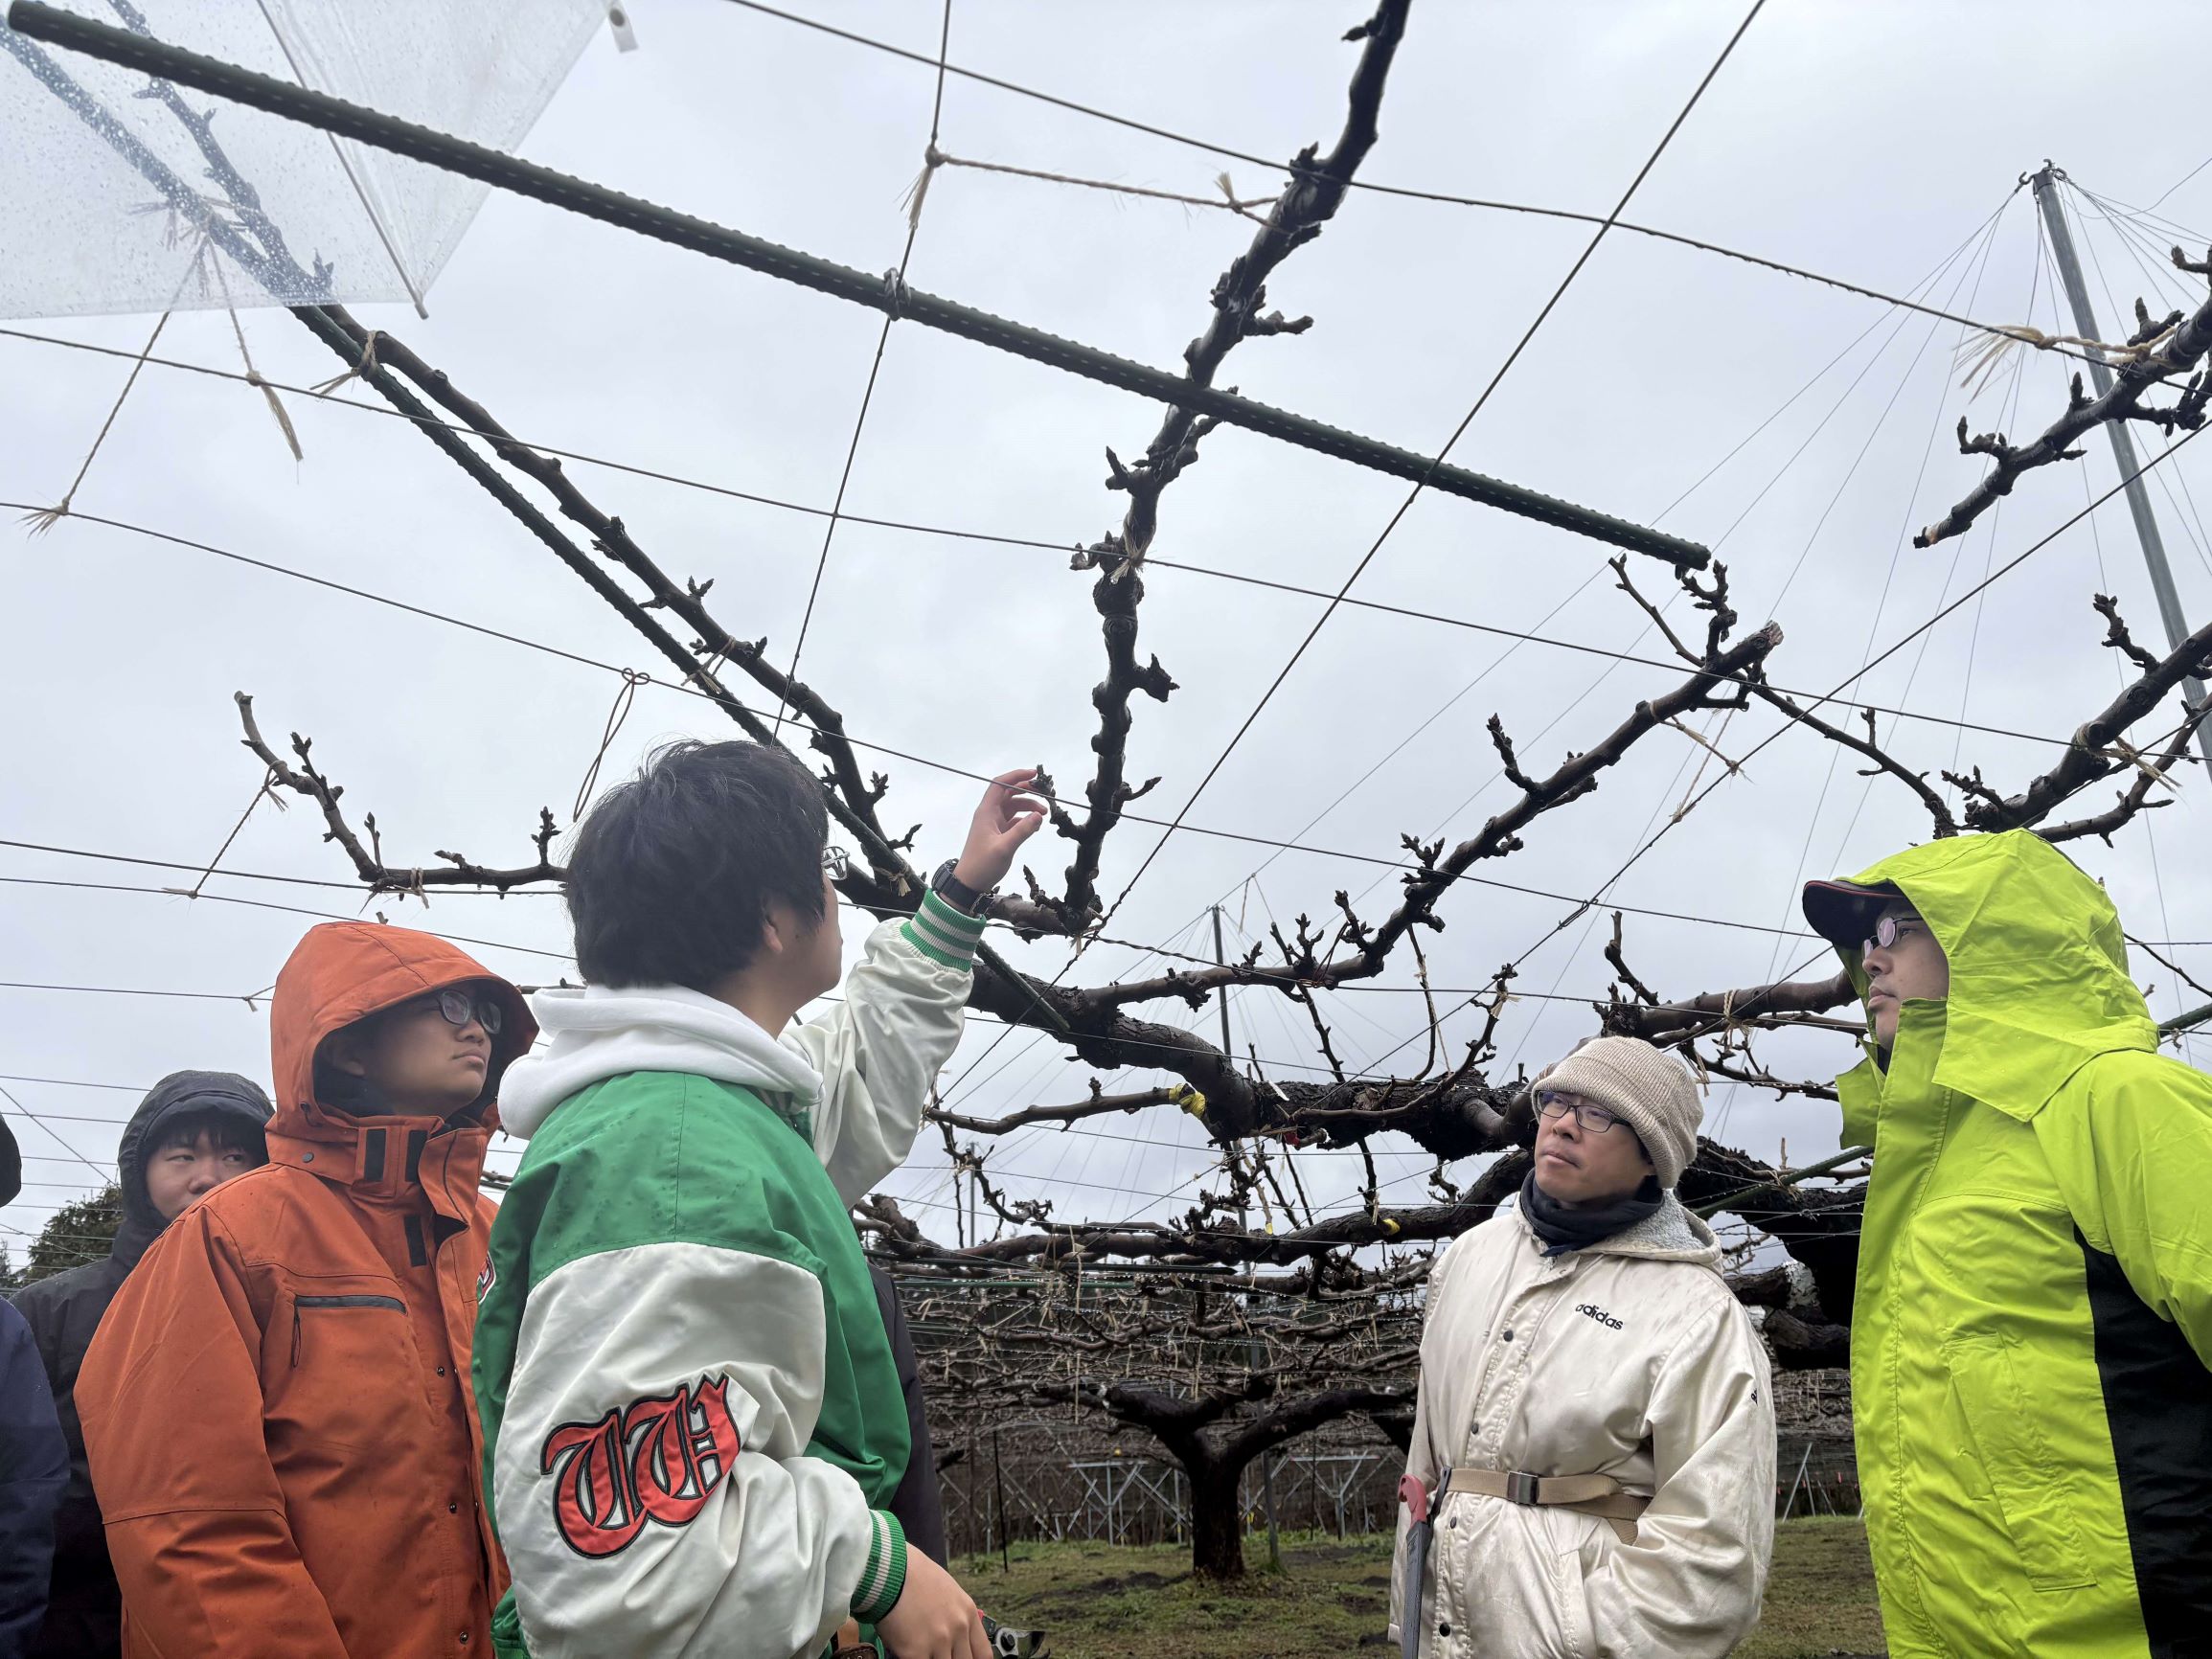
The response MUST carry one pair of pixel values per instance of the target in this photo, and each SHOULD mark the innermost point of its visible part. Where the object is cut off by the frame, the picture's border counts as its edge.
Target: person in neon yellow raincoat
(2031, 1344)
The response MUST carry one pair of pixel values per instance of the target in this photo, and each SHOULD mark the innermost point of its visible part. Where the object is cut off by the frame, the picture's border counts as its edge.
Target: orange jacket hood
(344, 971)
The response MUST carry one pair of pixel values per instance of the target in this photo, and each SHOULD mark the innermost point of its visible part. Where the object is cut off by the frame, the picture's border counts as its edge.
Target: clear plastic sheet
(83, 231)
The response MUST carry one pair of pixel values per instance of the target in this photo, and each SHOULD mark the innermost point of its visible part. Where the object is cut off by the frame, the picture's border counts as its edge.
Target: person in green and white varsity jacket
(692, 1426)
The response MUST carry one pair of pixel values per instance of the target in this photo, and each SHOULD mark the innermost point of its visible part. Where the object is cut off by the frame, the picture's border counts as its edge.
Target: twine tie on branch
(1228, 201)
(2126, 754)
(360, 371)
(1729, 1041)
(1982, 355)
(1133, 558)
(41, 522)
(623, 697)
(1690, 796)
(44, 521)
(918, 193)
(1706, 743)
(1731, 1030)
(254, 375)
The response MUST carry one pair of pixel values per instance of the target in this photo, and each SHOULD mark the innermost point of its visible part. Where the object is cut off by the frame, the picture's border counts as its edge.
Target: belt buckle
(1521, 1487)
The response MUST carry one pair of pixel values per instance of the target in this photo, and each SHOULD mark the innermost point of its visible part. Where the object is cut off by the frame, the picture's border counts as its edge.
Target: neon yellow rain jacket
(2033, 1330)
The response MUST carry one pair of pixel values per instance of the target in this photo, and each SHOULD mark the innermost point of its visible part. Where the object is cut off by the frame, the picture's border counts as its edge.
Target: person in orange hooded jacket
(278, 1406)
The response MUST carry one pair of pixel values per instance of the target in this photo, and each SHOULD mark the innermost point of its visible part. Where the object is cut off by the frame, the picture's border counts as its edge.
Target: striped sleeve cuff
(884, 1578)
(943, 934)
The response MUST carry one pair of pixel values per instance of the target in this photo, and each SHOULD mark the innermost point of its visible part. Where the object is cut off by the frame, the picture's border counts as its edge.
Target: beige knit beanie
(1647, 1088)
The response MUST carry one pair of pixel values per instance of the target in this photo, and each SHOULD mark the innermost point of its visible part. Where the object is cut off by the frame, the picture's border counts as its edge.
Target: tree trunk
(1217, 1521)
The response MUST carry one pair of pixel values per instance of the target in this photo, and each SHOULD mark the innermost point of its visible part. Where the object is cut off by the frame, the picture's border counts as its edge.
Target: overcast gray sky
(1870, 141)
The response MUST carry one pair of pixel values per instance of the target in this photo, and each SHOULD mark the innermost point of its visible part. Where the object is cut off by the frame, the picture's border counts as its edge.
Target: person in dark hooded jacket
(34, 1459)
(191, 1132)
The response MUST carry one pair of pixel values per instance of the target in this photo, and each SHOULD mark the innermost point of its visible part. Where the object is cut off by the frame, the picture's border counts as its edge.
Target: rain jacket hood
(341, 973)
(320, 1497)
(2032, 1325)
(2039, 969)
(85, 1612)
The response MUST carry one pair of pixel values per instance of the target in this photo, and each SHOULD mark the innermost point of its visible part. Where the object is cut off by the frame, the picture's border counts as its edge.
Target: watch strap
(957, 893)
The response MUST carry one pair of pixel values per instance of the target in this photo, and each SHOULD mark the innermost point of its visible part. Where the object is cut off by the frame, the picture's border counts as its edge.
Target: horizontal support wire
(465, 891)
(887, 295)
(1576, 646)
(1151, 562)
(1373, 187)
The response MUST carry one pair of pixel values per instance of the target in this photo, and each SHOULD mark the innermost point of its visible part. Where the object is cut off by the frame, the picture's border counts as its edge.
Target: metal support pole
(889, 294)
(2047, 183)
(998, 1479)
(1222, 995)
(1807, 1458)
(1268, 1496)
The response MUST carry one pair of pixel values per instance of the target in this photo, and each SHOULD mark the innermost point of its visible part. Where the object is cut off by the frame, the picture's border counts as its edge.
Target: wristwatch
(957, 893)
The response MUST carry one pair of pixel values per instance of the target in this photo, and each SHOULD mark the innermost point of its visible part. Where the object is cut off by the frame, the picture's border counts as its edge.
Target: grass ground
(1102, 1602)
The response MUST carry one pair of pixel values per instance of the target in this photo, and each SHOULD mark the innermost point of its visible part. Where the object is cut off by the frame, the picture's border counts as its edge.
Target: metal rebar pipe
(887, 294)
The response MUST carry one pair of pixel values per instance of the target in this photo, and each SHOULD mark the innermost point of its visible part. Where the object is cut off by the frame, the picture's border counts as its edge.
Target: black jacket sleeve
(34, 1470)
(84, 1606)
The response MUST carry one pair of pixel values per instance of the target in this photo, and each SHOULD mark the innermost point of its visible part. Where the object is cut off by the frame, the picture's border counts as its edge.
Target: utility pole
(2047, 183)
(1266, 1459)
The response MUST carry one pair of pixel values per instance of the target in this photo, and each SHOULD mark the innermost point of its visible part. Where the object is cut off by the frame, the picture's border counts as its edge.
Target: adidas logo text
(1600, 1315)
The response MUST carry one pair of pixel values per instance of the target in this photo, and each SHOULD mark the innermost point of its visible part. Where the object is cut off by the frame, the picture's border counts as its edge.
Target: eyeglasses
(837, 862)
(460, 1008)
(1887, 931)
(1593, 1120)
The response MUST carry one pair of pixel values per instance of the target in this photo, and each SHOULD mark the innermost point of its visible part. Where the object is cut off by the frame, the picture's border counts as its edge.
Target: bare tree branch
(1316, 189)
(714, 644)
(368, 857)
(1769, 1006)
(2176, 354)
(1714, 598)
(2097, 750)
(1099, 1104)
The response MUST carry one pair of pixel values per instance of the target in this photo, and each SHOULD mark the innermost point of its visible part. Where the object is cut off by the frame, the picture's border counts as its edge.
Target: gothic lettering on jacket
(1594, 1311)
(658, 1459)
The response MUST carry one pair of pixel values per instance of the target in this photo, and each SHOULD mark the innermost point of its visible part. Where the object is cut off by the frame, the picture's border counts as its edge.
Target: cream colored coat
(1627, 1357)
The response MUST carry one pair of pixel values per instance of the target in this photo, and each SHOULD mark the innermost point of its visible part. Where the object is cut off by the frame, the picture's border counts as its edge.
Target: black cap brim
(1843, 912)
(10, 1165)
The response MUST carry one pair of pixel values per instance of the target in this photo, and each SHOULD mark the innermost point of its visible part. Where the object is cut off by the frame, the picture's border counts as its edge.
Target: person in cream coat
(1595, 1429)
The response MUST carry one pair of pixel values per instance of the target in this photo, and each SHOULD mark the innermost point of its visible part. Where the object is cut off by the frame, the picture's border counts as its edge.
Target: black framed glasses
(837, 862)
(1591, 1119)
(461, 1006)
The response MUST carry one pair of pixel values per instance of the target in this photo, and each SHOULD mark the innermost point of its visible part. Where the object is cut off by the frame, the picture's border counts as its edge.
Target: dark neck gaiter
(1565, 1227)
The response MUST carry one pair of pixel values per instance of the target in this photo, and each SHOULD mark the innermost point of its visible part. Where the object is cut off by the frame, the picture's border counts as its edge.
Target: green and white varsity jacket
(692, 1422)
